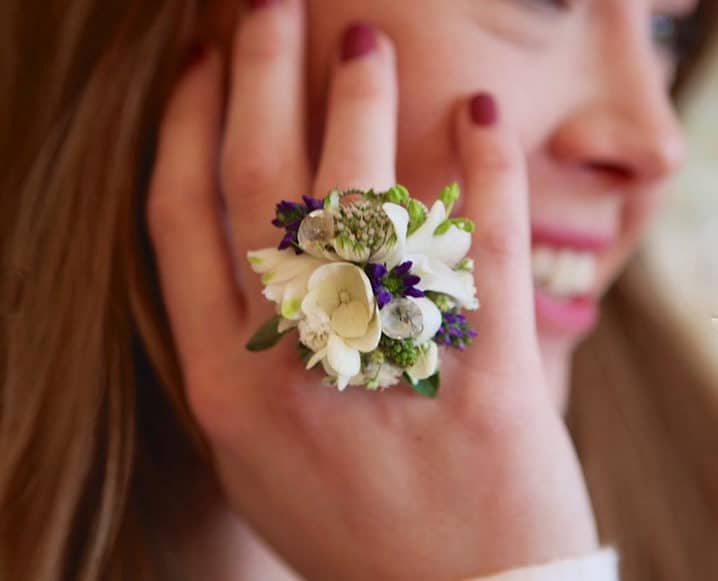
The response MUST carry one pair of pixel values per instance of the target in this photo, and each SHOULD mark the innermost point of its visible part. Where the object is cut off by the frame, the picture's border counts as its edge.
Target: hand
(355, 485)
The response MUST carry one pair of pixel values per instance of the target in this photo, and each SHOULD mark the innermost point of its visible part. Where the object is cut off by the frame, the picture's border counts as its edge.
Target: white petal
(420, 241)
(294, 293)
(427, 364)
(316, 358)
(342, 382)
(348, 277)
(400, 220)
(264, 259)
(450, 247)
(344, 359)
(438, 277)
(431, 319)
(371, 338)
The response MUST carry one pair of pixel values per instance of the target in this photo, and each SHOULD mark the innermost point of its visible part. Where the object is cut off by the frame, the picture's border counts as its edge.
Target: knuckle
(251, 169)
(492, 417)
(369, 87)
(266, 40)
(160, 213)
(217, 408)
(501, 242)
(163, 210)
(500, 157)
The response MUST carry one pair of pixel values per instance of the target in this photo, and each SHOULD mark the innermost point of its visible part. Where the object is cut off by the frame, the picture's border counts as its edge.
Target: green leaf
(267, 335)
(464, 224)
(305, 354)
(461, 223)
(427, 387)
(449, 196)
(331, 201)
(442, 228)
(417, 215)
(398, 195)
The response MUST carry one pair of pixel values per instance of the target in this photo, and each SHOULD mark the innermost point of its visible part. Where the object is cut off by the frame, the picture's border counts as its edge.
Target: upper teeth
(563, 272)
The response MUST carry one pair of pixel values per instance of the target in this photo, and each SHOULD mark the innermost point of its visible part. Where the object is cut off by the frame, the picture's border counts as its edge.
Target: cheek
(638, 213)
(436, 73)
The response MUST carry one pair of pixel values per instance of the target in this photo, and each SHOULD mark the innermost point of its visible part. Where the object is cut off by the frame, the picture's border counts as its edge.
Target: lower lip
(575, 316)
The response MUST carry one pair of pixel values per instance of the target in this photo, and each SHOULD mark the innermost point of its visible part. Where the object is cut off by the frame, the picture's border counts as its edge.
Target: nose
(625, 125)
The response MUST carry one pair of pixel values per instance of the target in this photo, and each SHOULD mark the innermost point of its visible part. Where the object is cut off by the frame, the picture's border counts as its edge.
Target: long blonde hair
(99, 452)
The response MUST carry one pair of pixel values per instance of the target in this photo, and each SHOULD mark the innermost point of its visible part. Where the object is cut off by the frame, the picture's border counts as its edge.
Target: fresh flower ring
(373, 282)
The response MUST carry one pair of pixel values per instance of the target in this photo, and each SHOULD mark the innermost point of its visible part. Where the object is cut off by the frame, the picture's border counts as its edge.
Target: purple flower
(290, 216)
(454, 331)
(395, 284)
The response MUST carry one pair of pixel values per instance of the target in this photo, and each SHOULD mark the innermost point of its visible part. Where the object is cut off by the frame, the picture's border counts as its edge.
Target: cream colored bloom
(428, 363)
(342, 318)
(285, 276)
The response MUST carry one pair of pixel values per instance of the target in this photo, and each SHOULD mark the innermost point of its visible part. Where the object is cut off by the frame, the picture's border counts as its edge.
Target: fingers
(496, 198)
(264, 155)
(359, 148)
(183, 218)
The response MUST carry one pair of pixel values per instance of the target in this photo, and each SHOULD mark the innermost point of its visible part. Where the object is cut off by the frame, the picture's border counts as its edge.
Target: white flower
(436, 276)
(431, 319)
(377, 376)
(427, 364)
(415, 318)
(450, 247)
(340, 302)
(435, 258)
(285, 276)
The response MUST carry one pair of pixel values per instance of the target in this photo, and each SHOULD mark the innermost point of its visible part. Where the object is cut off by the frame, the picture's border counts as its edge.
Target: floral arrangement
(373, 282)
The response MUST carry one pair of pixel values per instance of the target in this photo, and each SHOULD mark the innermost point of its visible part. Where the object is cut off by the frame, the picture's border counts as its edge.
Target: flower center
(344, 297)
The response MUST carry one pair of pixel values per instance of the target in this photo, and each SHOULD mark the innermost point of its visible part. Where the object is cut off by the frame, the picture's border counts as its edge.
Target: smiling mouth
(565, 269)
(564, 263)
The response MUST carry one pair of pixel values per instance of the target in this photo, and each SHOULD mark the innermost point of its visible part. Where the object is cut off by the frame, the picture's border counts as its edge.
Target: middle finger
(264, 154)
(360, 142)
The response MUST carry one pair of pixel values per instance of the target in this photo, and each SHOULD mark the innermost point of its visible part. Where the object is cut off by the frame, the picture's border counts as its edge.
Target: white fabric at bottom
(601, 565)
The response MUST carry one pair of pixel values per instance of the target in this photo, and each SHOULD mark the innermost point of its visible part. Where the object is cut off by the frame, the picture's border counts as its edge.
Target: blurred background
(683, 243)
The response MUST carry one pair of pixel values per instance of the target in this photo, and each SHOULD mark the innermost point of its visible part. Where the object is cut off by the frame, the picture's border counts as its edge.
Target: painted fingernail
(257, 4)
(359, 39)
(484, 110)
(195, 54)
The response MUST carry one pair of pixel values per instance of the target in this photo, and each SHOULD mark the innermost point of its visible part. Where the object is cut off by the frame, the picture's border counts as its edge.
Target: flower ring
(373, 283)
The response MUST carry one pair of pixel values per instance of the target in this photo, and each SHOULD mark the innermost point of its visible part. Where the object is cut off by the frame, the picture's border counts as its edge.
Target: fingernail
(257, 4)
(359, 39)
(484, 110)
(196, 53)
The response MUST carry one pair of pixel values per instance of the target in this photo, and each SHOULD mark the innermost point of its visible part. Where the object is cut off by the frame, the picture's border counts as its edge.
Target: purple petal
(414, 292)
(403, 268)
(313, 203)
(383, 298)
(411, 280)
(376, 271)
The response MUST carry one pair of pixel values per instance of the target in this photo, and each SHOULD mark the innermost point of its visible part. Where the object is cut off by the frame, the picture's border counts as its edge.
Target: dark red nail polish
(359, 39)
(257, 4)
(484, 110)
(195, 54)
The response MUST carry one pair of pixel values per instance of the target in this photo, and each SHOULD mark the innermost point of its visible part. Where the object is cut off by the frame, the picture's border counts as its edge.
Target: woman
(142, 441)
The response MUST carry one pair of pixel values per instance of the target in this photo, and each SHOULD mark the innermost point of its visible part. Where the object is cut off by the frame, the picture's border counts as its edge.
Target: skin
(390, 485)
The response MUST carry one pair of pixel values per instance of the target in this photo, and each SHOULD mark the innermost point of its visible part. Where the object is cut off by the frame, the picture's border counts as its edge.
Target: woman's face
(585, 85)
